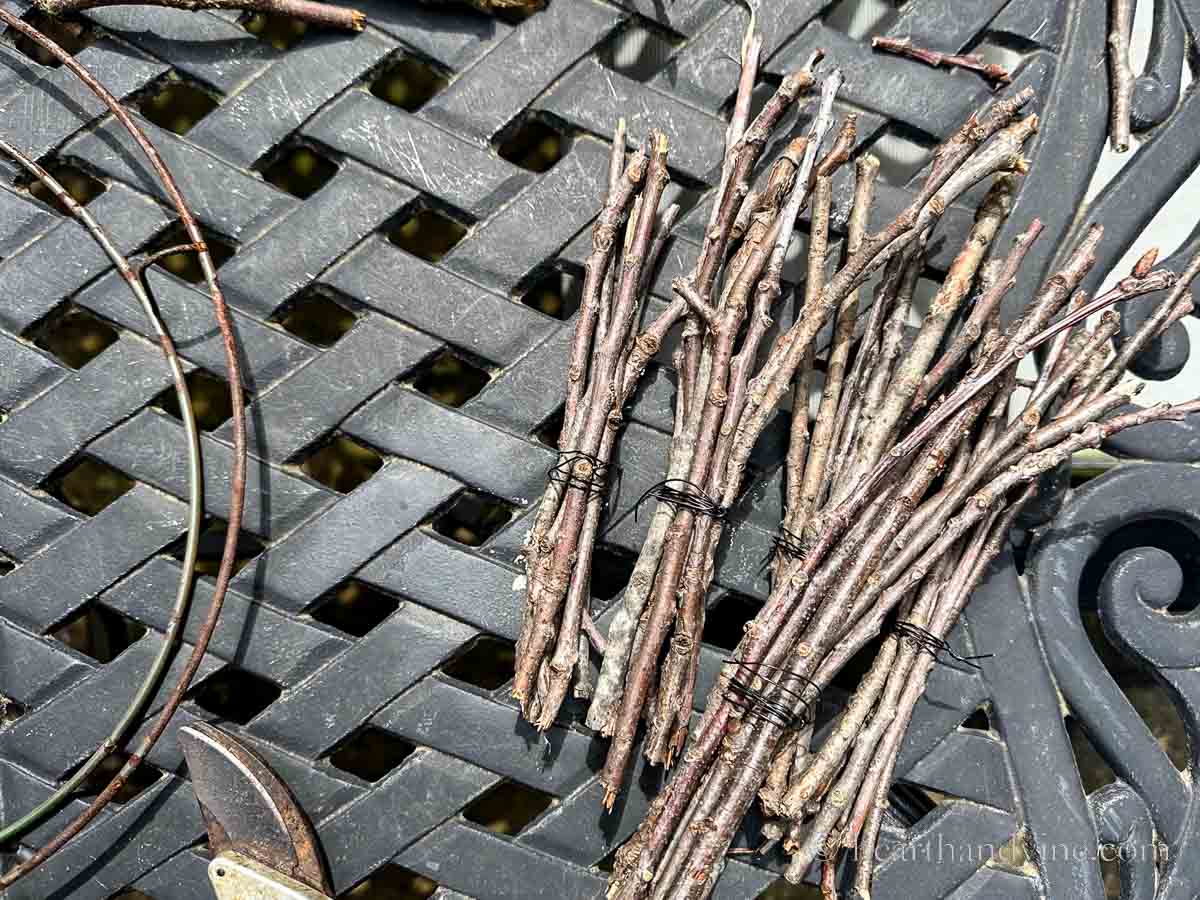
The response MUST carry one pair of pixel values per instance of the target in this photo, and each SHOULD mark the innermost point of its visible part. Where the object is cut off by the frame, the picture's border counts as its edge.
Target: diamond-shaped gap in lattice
(72, 334)
(185, 264)
(684, 192)
(725, 621)
(177, 104)
(82, 186)
(340, 463)
(73, 36)
(508, 808)
(450, 378)
(299, 169)
(902, 153)
(141, 778)
(782, 889)
(535, 143)
(472, 517)
(426, 231)
(639, 49)
(370, 753)
(860, 19)
(98, 632)
(211, 402)
(354, 607)
(550, 431)
(235, 694)
(979, 720)
(212, 543)
(556, 291)
(612, 567)
(276, 30)
(392, 882)
(1001, 50)
(10, 710)
(87, 485)
(317, 315)
(409, 82)
(764, 88)
(487, 662)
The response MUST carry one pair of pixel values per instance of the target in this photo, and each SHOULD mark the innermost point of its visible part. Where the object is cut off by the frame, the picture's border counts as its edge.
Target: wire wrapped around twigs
(756, 703)
(684, 494)
(593, 480)
(786, 545)
(930, 643)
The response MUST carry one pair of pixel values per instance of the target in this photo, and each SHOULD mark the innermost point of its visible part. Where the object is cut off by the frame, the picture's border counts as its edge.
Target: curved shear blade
(248, 809)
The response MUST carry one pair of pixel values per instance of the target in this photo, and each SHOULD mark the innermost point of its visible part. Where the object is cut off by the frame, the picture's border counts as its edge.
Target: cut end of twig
(610, 797)
(358, 20)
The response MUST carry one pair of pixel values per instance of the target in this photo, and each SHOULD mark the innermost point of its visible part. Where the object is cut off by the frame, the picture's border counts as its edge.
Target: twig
(993, 73)
(323, 14)
(150, 683)
(237, 477)
(1120, 74)
(744, 146)
(981, 312)
(815, 474)
(1149, 329)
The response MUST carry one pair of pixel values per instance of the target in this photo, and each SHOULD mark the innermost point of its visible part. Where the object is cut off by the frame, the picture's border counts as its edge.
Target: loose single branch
(237, 478)
(323, 14)
(993, 73)
(14, 831)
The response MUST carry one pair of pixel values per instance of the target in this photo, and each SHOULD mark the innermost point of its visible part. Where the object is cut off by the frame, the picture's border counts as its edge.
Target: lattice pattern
(301, 679)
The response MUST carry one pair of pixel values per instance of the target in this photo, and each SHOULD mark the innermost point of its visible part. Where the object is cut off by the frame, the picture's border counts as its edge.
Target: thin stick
(14, 831)
(323, 14)
(237, 477)
(815, 480)
(1120, 74)
(993, 73)
(981, 311)
(1149, 329)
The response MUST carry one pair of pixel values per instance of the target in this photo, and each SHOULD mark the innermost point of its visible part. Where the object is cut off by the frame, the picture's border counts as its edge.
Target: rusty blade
(248, 809)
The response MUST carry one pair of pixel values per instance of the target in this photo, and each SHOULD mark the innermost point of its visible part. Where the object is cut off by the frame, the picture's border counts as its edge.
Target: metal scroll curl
(1135, 593)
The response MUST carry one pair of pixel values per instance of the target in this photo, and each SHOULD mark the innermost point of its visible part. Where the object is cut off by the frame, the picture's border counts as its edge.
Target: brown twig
(323, 14)
(816, 471)
(993, 73)
(1120, 74)
(237, 474)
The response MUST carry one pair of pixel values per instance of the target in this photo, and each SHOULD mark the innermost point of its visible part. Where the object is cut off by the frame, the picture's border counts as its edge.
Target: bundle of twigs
(871, 535)
(607, 360)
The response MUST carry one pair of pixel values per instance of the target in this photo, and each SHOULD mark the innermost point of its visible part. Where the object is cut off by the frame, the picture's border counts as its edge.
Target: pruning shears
(264, 847)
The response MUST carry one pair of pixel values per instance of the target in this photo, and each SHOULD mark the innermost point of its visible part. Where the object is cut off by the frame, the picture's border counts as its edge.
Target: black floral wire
(683, 494)
(757, 704)
(930, 643)
(593, 484)
(787, 545)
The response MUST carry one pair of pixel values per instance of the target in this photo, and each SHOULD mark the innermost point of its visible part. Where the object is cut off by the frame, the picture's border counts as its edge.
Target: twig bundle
(878, 539)
(607, 360)
(898, 494)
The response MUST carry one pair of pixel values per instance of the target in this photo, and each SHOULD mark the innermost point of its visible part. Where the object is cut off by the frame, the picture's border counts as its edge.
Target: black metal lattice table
(310, 688)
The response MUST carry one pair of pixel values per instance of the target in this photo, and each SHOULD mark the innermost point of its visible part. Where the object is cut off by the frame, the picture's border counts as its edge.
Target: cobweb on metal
(401, 219)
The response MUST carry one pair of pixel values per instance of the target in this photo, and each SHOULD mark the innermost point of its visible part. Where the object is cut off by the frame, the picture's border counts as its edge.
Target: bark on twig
(324, 14)
(1120, 74)
(993, 73)
(237, 478)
